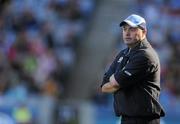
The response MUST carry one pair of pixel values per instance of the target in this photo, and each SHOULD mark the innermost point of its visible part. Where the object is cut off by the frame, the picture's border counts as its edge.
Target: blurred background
(53, 54)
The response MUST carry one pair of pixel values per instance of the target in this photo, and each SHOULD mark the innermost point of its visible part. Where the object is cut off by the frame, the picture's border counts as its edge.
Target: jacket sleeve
(135, 70)
(109, 72)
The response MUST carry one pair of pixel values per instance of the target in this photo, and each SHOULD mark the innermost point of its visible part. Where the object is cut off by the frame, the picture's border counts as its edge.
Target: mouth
(127, 38)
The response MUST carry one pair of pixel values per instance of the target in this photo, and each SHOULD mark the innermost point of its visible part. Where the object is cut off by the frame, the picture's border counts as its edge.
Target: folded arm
(111, 86)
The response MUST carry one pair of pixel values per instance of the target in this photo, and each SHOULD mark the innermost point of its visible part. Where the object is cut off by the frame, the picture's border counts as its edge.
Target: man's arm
(135, 70)
(111, 86)
(107, 85)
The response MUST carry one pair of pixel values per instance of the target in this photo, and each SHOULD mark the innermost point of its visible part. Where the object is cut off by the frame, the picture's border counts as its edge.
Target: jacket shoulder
(122, 52)
(150, 54)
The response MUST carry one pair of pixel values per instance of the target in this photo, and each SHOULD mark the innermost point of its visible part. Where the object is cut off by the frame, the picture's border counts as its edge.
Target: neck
(134, 44)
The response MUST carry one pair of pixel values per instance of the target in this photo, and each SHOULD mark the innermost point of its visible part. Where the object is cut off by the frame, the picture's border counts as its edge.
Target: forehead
(128, 26)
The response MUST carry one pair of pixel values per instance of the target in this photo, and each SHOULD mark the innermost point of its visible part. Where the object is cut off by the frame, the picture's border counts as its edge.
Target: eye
(125, 28)
(133, 29)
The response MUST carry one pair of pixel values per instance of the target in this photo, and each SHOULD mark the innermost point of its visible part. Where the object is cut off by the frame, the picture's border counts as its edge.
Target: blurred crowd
(38, 44)
(39, 41)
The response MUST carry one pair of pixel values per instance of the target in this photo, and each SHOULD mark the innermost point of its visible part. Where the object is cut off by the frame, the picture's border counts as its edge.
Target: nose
(127, 33)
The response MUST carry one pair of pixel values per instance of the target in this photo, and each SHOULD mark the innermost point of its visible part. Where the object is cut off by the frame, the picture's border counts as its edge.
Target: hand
(111, 86)
(113, 81)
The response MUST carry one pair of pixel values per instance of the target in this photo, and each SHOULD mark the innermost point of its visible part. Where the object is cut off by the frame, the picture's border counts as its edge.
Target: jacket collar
(142, 44)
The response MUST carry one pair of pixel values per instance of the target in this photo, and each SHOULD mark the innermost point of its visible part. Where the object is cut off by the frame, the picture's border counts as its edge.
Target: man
(134, 76)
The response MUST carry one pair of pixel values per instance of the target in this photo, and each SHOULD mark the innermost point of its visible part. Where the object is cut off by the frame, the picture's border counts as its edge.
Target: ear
(144, 32)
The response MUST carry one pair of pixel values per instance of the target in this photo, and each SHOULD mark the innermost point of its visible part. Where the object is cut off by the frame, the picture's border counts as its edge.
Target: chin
(128, 43)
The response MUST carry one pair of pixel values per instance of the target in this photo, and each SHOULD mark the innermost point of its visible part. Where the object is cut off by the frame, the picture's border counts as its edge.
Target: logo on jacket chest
(120, 60)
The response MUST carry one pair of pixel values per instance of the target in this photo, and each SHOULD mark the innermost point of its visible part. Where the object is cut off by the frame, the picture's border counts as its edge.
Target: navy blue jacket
(137, 71)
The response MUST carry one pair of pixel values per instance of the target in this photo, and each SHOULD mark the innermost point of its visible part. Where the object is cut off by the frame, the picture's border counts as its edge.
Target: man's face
(132, 35)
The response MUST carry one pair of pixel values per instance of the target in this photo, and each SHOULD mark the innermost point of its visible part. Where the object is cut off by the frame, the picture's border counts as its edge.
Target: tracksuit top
(137, 71)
